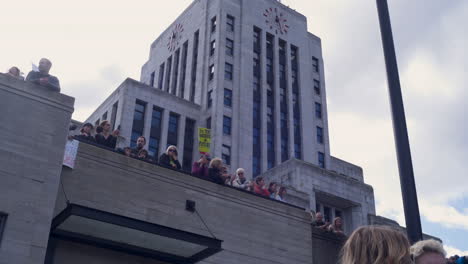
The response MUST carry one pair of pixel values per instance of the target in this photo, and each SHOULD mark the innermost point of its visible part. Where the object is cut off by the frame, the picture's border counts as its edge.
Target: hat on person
(88, 125)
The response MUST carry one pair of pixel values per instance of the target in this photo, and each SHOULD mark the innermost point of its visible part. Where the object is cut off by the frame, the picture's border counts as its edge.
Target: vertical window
(318, 110)
(168, 73)
(228, 71)
(161, 76)
(194, 66)
(152, 79)
(138, 122)
(229, 47)
(296, 104)
(320, 135)
(208, 123)
(230, 23)
(213, 24)
(3, 218)
(155, 131)
(211, 71)
(338, 213)
(184, 69)
(212, 47)
(226, 154)
(173, 129)
(315, 64)
(97, 122)
(104, 116)
(327, 214)
(210, 99)
(188, 144)
(226, 125)
(115, 107)
(257, 98)
(321, 160)
(228, 97)
(176, 72)
(317, 86)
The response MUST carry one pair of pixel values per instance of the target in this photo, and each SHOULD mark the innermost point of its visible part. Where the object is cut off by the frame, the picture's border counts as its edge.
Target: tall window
(184, 69)
(208, 123)
(296, 103)
(213, 24)
(230, 23)
(271, 154)
(212, 47)
(229, 47)
(226, 154)
(115, 107)
(210, 99)
(188, 144)
(315, 64)
(318, 110)
(194, 66)
(104, 116)
(161, 76)
(168, 73)
(320, 135)
(211, 72)
(176, 72)
(257, 96)
(155, 131)
(228, 97)
(152, 79)
(283, 85)
(227, 125)
(228, 71)
(138, 122)
(3, 219)
(317, 86)
(173, 129)
(321, 160)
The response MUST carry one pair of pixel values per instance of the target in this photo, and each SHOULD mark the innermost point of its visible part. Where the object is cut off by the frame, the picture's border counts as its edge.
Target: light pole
(405, 166)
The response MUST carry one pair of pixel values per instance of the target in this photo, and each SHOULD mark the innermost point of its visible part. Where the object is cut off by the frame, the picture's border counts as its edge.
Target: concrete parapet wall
(254, 229)
(33, 128)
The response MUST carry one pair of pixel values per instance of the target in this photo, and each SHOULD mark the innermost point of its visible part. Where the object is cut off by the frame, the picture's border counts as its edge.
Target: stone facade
(34, 125)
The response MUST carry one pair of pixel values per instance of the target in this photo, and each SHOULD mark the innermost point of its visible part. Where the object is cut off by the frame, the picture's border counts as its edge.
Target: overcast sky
(95, 45)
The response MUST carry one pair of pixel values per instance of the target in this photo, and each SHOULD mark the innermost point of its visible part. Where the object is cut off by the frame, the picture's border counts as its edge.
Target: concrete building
(249, 70)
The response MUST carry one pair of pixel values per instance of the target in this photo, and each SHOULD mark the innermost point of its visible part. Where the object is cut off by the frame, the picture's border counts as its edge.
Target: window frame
(228, 75)
(211, 72)
(3, 221)
(230, 23)
(227, 125)
(229, 48)
(212, 47)
(228, 97)
(213, 24)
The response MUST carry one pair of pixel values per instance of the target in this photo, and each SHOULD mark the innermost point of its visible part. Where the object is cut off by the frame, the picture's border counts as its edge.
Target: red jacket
(261, 191)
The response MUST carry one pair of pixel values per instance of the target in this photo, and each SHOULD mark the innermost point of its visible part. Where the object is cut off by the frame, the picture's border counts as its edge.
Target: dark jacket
(165, 161)
(214, 175)
(109, 142)
(52, 81)
(84, 137)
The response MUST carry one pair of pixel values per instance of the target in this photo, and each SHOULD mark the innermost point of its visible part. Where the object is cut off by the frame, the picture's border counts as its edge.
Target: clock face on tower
(276, 20)
(175, 37)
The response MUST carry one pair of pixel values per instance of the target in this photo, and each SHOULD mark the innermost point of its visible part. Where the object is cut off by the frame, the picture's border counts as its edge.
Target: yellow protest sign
(204, 140)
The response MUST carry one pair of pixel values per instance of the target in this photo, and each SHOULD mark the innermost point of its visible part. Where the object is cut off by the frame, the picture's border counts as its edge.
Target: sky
(95, 45)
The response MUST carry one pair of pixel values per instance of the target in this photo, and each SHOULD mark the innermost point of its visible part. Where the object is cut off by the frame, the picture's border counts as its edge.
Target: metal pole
(405, 166)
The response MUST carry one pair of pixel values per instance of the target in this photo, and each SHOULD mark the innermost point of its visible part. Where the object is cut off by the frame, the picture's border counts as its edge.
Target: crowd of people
(38, 76)
(384, 245)
(205, 168)
(335, 227)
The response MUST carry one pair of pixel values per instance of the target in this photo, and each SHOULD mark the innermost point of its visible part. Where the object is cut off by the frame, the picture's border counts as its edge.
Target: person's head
(86, 128)
(14, 71)
(428, 252)
(106, 126)
(127, 151)
(224, 170)
(205, 158)
(44, 65)
(216, 163)
(141, 142)
(143, 154)
(171, 150)
(272, 187)
(282, 191)
(318, 216)
(99, 129)
(338, 222)
(260, 181)
(376, 245)
(240, 172)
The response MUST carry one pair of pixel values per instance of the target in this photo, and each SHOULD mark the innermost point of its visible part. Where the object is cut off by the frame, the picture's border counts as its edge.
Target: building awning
(116, 232)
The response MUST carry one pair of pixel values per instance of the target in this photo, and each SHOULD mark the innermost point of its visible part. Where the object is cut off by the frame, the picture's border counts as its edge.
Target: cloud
(452, 251)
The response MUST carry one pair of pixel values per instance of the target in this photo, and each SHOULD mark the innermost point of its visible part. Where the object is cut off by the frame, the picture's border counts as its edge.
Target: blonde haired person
(169, 159)
(376, 245)
(215, 171)
(240, 181)
(428, 252)
(337, 226)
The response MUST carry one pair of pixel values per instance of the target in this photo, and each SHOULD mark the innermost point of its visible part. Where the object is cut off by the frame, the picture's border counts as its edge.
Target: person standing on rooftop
(42, 77)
